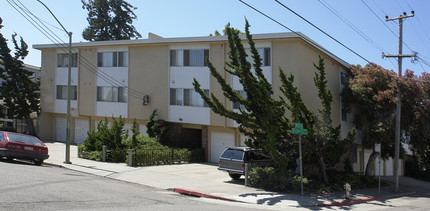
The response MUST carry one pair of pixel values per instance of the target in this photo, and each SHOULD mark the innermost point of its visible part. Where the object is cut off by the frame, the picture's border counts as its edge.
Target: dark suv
(233, 160)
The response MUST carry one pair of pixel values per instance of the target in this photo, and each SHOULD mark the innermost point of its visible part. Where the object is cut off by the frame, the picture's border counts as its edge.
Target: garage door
(60, 128)
(220, 141)
(81, 128)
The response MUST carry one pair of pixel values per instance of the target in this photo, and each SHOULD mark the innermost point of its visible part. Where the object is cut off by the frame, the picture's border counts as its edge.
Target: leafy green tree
(158, 129)
(323, 142)
(262, 118)
(372, 91)
(135, 133)
(109, 20)
(20, 91)
(420, 135)
(117, 134)
(224, 32)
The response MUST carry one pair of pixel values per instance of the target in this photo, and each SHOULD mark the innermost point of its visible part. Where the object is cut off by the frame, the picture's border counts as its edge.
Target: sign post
(298, 129)
(378, 149)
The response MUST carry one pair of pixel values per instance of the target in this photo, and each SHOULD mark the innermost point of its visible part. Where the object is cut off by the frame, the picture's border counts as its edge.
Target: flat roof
(267, 36)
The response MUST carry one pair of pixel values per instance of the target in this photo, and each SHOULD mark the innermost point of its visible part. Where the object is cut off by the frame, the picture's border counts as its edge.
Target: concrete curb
(357, 201)
(201, 195)
(349, 202)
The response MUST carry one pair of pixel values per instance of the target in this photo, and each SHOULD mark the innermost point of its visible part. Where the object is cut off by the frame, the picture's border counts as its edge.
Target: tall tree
(372, 91)
(323, 142)
(261, 118)
(19, 90)
(109, 20)
(420, 135)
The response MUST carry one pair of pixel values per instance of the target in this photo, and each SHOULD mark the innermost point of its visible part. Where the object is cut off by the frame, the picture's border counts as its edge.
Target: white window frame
(63, 60)
(61, 92)
(187, 97)
(112, 59)
(112, 94)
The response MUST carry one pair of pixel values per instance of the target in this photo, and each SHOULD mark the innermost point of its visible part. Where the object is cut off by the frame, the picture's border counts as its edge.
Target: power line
(84, 62)
(286, 27)
(357, 30)
(385, 24)
(331, 37)
(400, 6)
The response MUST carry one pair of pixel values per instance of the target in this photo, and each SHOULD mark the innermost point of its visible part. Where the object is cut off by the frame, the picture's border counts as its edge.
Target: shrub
(117, 155)
(415, 169)
(88, 154)
(271, 179)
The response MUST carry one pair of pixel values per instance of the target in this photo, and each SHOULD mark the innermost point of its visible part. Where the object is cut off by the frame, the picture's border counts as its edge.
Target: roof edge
(160, 40)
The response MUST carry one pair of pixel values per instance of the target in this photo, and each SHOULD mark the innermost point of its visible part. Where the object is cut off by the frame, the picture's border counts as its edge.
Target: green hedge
(147, 156)
(271, 179)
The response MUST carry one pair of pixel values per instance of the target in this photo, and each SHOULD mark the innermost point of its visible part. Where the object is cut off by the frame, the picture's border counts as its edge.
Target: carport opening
(185, 137)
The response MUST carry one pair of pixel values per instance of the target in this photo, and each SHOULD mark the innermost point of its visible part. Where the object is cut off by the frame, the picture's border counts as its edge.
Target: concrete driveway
(206, 178)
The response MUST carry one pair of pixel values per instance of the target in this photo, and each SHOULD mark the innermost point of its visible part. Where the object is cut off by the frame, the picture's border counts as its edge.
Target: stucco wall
(47, 80)
(148, 74)
(218, 58)
(87, 81)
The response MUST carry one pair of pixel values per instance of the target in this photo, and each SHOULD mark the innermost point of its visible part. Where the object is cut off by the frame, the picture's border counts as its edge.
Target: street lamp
(67, 160)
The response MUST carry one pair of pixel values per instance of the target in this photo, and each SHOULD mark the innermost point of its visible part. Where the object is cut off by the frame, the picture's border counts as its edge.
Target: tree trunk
(30, 125)
(323, 167)
(371, 164)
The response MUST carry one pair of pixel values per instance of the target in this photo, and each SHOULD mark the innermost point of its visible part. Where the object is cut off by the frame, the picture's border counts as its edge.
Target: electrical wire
(56, 40)
(298, 34)
(84, 62)
(357, 30)
(64, 47)
(328, 35)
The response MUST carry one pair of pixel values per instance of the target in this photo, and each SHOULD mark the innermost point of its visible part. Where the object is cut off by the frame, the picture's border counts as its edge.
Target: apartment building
(131, 78)
(19, 125)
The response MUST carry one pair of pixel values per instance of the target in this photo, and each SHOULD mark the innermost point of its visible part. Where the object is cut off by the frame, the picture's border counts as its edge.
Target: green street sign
(298, 125)
(299, 131)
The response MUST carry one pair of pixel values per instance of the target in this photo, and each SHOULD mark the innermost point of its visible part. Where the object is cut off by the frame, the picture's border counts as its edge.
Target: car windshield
(233, 154)
(24, 139)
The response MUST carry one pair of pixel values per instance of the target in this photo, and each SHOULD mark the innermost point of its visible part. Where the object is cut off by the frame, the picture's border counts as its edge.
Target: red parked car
(20, 146)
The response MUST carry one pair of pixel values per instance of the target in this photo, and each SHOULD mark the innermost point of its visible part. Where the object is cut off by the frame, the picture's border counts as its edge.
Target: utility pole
(69, 90)
(399, 103)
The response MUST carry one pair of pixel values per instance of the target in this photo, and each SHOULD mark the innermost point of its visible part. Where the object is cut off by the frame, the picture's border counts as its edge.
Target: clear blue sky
(188, 18)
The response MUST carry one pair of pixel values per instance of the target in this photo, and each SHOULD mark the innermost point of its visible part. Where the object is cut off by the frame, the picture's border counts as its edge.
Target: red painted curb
(349, 202)
(199, 194)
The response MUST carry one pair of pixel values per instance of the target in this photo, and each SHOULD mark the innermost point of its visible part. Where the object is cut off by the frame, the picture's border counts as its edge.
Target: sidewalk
(204, 180)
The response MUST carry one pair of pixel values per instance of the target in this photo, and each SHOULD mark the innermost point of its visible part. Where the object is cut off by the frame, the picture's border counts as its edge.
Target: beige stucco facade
(149, 72)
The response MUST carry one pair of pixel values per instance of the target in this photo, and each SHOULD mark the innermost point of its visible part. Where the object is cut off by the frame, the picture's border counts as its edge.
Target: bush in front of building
(416, 169)
(272, 179)
(111, 137)
(145, 150)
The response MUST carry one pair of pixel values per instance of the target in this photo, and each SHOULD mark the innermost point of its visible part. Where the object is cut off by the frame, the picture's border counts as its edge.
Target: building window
(344, 115)
(266, 59)
(195, 58)
(193, 98)
(187, 97)
(112, 59)
(176, 96)
(174, 58)
(63, 60)
(111, 94)
(237, 105)
(265, 55)
(344, 78)
(62, 92)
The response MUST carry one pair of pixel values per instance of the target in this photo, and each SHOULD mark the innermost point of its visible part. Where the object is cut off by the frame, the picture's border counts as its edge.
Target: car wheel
(38, 162)
(234, 176)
